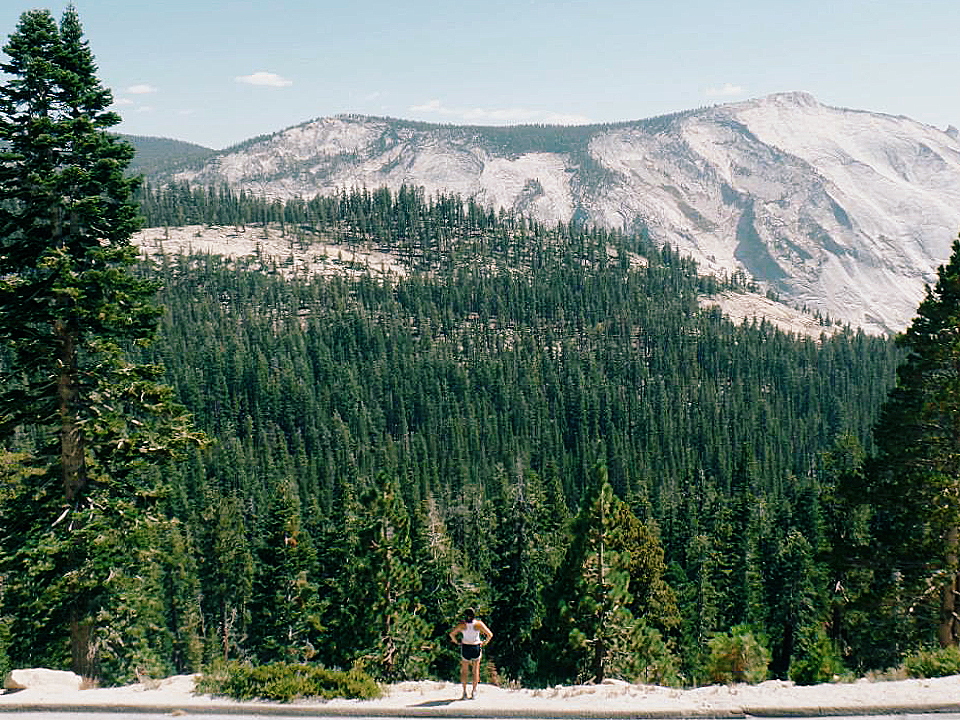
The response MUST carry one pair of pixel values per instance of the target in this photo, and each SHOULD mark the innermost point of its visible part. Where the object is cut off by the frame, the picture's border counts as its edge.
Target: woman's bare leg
(476, 676)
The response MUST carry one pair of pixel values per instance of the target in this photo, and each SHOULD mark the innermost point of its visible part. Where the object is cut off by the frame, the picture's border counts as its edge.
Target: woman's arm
(486, 631)
(453, 633)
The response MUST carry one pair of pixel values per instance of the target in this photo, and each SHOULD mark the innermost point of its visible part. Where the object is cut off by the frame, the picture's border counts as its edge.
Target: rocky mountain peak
(845, 212)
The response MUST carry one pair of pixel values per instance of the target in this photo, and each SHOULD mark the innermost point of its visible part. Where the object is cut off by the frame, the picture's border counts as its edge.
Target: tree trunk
(71, 442)
(83, 651)
(599, 648)
(948, 630)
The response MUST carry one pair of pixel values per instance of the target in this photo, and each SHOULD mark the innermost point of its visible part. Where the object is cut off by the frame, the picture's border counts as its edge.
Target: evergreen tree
(385, 615)
(793, 605)
(599, 635)
(284, 608)
(526, 556)
(652, 597)
(181, 588)
(226, 569)
(69, 304)
(448, 583)
(699, 599)
(914, 483)
(850, 560)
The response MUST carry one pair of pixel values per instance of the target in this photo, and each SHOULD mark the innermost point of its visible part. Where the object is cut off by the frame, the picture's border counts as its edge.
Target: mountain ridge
(316, 254)
(846, 212)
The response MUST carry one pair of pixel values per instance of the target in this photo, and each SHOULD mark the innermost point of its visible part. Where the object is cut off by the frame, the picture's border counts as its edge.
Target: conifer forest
(388, 450)
(540, 422)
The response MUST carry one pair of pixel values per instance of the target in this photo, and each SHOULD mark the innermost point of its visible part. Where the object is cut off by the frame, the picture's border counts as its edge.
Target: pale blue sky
(220, 72)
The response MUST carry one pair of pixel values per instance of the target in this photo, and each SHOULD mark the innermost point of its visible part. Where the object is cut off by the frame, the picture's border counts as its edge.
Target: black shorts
(470, 652)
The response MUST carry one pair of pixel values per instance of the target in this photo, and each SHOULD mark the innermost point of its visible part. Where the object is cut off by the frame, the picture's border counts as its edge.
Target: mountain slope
(846, 212)
(315, 254)
(158, 155)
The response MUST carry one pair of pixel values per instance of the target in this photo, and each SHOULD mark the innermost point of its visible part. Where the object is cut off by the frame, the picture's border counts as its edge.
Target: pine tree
(383, 609)
(792, 599)
(849, 557)
(69, 305)
(226, 570)
(284, 606)
(914, 481)
(448, 583)
(598, 635)
(699, 598)
(181, 582)
(652, 597)
(525, 560)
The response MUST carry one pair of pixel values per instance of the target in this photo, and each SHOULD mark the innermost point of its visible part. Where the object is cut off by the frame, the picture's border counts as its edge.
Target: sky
(218, 72)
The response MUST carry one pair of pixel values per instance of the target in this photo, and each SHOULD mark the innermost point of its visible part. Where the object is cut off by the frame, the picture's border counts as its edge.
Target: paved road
(300, 712)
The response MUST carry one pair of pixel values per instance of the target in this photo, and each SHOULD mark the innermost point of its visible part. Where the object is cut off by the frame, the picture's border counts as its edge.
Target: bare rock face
(42, 678)
(844, 212)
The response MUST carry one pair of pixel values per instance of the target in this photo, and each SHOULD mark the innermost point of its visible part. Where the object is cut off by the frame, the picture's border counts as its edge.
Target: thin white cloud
(264, 79)
(500, 116)
(142, 89)
(130, 105)
(725, 90)
(429, 106)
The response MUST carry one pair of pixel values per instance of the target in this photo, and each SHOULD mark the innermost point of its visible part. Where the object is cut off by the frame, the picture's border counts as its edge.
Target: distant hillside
(156, 156)
(318, 254)
(844, 212)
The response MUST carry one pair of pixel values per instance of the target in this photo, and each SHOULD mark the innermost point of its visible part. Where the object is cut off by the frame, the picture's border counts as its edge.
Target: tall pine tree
(284, 606)
(594, 634)
(914, 481)
(70, 304)
(385, 614)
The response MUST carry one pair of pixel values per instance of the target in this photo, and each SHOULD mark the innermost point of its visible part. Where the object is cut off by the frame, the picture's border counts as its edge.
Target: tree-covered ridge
(611, 328)
(153, 155)
(425, 233)
(500, 140)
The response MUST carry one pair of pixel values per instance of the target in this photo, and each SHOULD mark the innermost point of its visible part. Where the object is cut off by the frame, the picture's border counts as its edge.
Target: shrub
(933, 663)
(644, 657)
(816, 660)
(737, 656)
(286, 682)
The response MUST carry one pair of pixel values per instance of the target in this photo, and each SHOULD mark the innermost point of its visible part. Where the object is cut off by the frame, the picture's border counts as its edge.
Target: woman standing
(470, 630)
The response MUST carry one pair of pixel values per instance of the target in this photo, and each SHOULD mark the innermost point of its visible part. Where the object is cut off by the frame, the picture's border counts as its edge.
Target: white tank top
(471, 635)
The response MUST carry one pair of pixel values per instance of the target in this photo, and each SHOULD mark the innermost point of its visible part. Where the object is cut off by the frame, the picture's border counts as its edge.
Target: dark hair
(469, 614)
